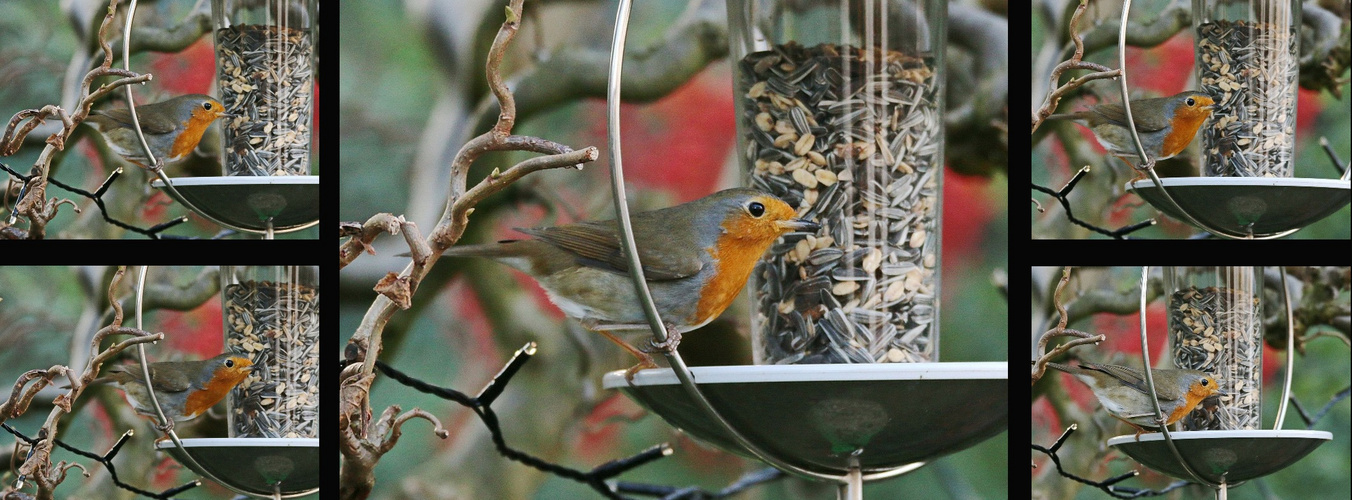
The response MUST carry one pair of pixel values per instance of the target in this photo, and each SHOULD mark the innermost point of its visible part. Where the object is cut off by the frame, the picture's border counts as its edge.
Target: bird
(172, 127)
(1166, 125)
(696, 258)
(185, 389)
(1124, 394)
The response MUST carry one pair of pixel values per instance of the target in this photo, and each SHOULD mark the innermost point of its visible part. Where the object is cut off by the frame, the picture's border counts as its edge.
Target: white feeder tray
(290, 201)
(1259, 206)
(1232, 456)
(254, 465)
(826, 418)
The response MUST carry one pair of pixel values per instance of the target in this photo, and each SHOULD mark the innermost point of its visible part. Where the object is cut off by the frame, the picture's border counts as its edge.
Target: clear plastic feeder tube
(264, 69)
(1247, 59)
(840, 114)
(272, 315)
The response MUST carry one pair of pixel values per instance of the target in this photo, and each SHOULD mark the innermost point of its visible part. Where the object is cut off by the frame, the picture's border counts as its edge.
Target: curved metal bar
(644, 295)
(1150, 382)
(1290, 358)
(1148, 163)
(155, 165)
(1122, 79)
(131, 103)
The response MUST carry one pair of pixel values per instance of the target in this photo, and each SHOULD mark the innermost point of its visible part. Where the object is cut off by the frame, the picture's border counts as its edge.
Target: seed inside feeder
(277, 326)
(265, 81)
(861, 131)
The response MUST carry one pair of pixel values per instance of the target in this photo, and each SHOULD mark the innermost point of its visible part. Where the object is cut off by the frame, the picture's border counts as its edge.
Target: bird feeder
(1215, 326)
(264, 70)
(260, 467)
(1248, 61)
(851, 92)
(840, 114)
(1220, 458)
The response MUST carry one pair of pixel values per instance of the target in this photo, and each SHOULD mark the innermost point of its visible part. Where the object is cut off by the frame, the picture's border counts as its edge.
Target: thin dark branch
(1062, 196)
(1310, 420)
(1338, 163)
(152, 232)
(1109, 485)
(107, 460)
(597, 477)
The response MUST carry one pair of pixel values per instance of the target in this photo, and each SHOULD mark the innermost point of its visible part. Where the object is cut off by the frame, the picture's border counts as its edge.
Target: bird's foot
(669, 345)
(166, 427)
(642, 365)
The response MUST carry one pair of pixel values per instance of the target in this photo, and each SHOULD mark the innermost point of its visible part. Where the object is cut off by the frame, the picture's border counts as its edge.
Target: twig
(1063, 196)
(107, 460)
(1310, 420)
(152, 232)
(1338, 164)
(482, 406)
(1107, 485)
(1040, 364)
(360, 236)
(1076, 62)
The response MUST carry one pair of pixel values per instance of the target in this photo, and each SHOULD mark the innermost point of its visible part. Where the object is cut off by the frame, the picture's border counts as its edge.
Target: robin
(1166, 125)
(185, 389)
(696, 259)
(172, 127)
(1124, 393)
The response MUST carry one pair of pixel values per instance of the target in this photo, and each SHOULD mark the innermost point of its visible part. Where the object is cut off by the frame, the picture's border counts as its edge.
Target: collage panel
(160, 381)
(1210, 119)
(696, 249)
(1190, 381)
(183, 119)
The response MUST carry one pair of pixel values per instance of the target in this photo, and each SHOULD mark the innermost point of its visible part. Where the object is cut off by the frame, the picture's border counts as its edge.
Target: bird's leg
(1139, 429)
(645, 361)
(1140, 173)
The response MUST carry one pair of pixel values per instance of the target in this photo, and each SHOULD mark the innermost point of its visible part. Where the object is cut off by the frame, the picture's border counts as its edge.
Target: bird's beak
(798, 225)
(228, 115)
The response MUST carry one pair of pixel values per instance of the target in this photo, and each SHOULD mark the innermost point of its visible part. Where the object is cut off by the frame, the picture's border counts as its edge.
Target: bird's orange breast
(1185, 125)
(734, 256)
(192, 134)
(200, 400)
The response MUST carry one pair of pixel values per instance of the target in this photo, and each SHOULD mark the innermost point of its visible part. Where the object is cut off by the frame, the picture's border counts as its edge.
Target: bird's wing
(1136, 381)
(597, 244)
(1116, 113)
(151, 123)
(169, 380)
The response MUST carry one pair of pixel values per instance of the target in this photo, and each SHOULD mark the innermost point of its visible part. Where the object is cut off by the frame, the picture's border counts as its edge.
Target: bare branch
(361, 242)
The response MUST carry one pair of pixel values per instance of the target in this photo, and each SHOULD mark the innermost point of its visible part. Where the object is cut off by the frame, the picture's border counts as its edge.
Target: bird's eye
(756, 209)
(1205, 382)
(229, 363)
(1191, 102)
(206, 106)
